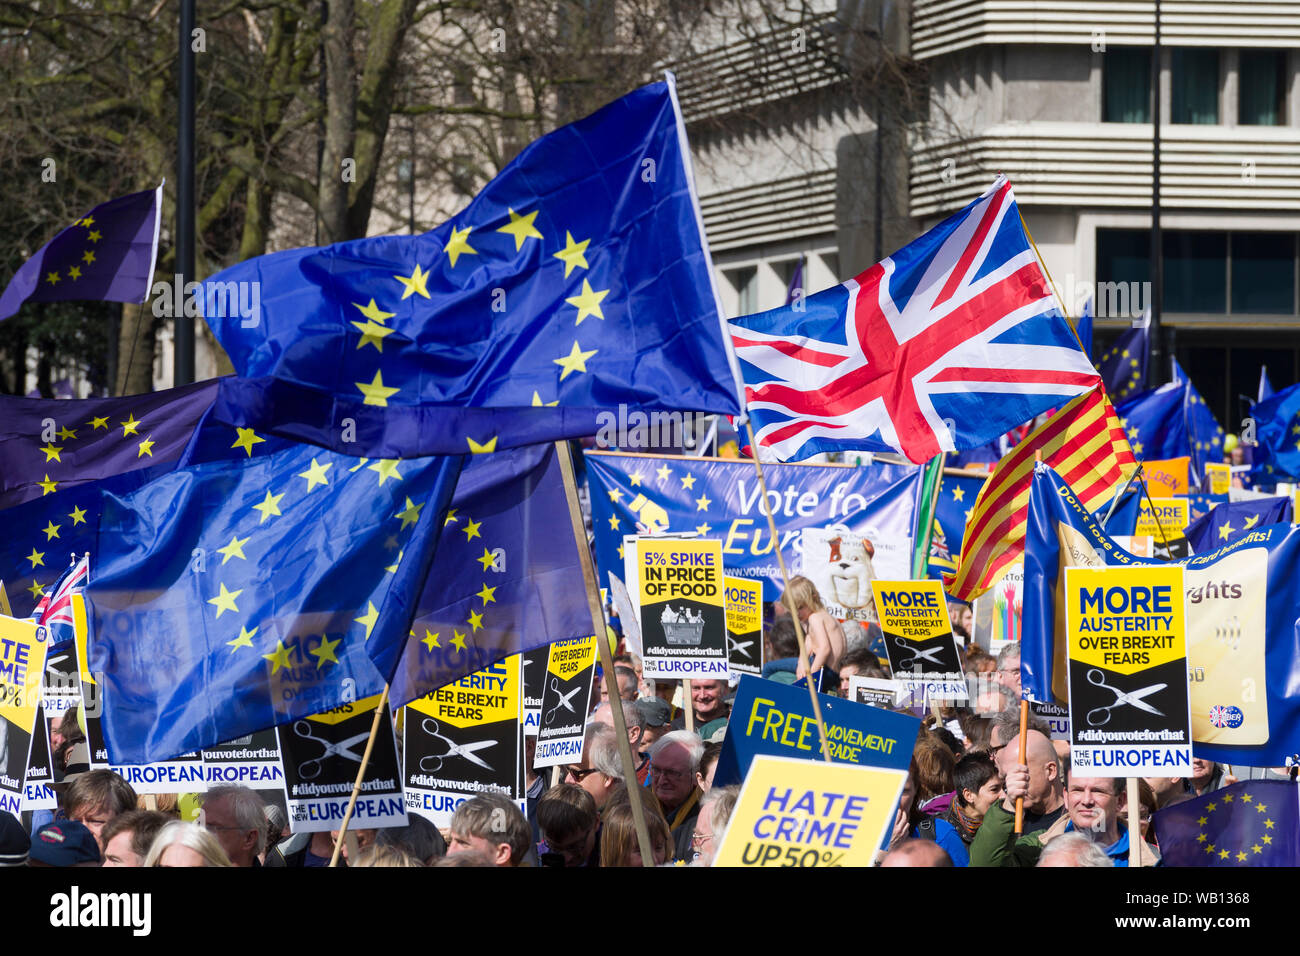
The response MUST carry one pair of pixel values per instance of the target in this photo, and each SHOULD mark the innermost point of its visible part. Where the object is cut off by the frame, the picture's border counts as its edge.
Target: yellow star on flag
(476, 620)
(487, 595)
(52, 278)
(1225, 529)
(487, 559)
(270, 506)
(392, 568)
(279, 658)
(458, 245)
(588, 302)
(1227, 798)
(703, 529)
(1137, 448)
(615, 494)
(246, 440)
(573, 253)
(575, 361)
(386, 468)
(430, 640)
(538, 403)
(374, 313)
(315, 475)
(93, 236)
(414, 284)
(458, 641)
(146, 448)
(245, 639)
(368, 619)
(74, 273)
(1266, 839)
(471, 529)
(78, 515)
(51, 531)
(1224, 854)
(1201, 821)
(376, 392)
(613, 522)
(324, 652)
(634, 479)
(664, 472)
(1241, 856)
(88, 257)
(225, 601)
(688, 482)
(620, 552)
(37, 558)
(1256, 849)
(1247, 798)
(130, 425)
(98, 423)
(958, 493)
(1250, 523)
(235, 549)
(521, 227)
(486, 448)
(702, 503)
(372, 333)
(36, 589)
(451, 517)
(1261, 807)
(47, 486)
(52, 452)
(411, 514)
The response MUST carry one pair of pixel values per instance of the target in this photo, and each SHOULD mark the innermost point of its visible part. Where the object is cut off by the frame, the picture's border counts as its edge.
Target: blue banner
(777, 719)
(1243, 653)
(957, 494)
(871, 509)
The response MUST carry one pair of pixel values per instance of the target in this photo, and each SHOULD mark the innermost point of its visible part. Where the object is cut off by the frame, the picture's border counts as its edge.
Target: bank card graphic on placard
(566, 701)
(918, 634)
(744, 626)
(464, 739)
(1127, 650)
(322, 754)
(681, 599)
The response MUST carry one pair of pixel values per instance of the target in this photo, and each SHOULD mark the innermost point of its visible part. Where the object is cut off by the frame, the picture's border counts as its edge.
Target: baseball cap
(14, 841)
(656, 711)
(65, 843)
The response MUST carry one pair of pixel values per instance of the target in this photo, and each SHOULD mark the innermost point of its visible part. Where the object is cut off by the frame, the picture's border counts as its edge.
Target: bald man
(1041, 783)
(917, 853)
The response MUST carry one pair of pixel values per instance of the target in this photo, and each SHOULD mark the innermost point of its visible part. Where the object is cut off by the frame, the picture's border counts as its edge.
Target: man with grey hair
(674, 759)
(634, 719)
(1008, 671)
(237, 818)
(600, 771)
(1074, 849)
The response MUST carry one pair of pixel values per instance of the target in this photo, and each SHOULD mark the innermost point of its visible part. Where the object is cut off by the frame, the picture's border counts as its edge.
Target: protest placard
(321, 755)
(37, 792)
(533, 662)
(22, 664)
(1219, 477)
(840, 565)
(772, 718)
(252, 761)
(463, 739)
(803, 813)
(1167, 477)
(873, 691)
(919, 639)
(744, 626)
(680, 597)
(1127, 646)
(566, 701)
(1057, 717)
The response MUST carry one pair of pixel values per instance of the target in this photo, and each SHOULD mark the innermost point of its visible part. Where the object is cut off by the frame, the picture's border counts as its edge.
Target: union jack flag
(943, 346)
(1219, 716)
(55, 610)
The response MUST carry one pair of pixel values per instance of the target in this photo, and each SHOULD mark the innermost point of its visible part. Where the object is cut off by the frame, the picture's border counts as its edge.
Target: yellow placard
(672, 569)
(5, 609)
(347, 711)
(1168, 477)
(22, 663)
(484, 697)
(569, 658)
(744, 605)
(1125, 619)
(1168, 520)
(914, 610)
(1220, 478)
(795, 812)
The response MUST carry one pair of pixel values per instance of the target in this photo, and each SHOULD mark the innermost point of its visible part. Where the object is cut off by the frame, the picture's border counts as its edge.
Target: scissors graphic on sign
(738, 646)
(1133, 699)
(917, 655)
(562, 702)
(310, 769)
(433, 763)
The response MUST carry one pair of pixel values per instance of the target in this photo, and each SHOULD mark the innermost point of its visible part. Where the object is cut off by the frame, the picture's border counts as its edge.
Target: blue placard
(777, 719)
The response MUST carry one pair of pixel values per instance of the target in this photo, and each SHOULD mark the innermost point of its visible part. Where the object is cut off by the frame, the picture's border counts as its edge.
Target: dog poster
(841, 564)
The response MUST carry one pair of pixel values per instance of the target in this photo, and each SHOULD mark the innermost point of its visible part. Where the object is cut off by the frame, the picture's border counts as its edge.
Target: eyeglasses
(668, 772)
(579, 774)
(699, 839)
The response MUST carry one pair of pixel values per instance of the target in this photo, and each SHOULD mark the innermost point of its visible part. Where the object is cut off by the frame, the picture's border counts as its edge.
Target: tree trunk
(135, 351)
(338, 164)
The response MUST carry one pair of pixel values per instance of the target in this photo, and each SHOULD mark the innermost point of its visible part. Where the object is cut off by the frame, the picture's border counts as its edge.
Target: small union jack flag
(55, 609)
(943, 346)
(1219, 716)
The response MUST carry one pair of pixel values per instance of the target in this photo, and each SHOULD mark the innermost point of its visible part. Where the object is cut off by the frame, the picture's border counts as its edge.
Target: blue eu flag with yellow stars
(1203, 429)
(505, 577)
(576, 281)
(1227, 522)
(107, 255)
(1255, 823)
(1155, 424)
(1277, 434)
(1123, 366)
(261, 581)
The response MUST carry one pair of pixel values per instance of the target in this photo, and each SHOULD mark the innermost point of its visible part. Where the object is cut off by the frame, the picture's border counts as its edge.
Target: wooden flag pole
(361, 774)
(766, 508)
(1023, 758)
(606, 659)
(688, 706)
(1134, 823)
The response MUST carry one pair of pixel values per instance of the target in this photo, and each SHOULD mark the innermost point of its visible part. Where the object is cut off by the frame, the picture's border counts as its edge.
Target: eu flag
(1229, 521)
(576, 281)
(1203, 430)
(1155, 424)
(1265, 386)
(1277, 433)
(1255, 823)
(253, 585)
(107, 255)
(505, 577)
(1123, 366)
(956, 498)
(53, 445)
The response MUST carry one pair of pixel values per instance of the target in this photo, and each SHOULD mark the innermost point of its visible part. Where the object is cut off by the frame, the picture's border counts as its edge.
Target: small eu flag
(1230, 520)
(1123, 366)
(107, 256)
(257, 583)
(576, 281)
(1255, 823)
(1277, 431)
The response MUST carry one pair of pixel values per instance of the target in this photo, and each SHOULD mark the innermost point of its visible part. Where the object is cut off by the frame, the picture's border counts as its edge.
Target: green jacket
(996, 844)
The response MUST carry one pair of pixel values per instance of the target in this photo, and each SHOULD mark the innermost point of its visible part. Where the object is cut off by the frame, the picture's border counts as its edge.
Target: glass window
(1196, 271)
(1126, 85)
(1123, 256)
(1195, 81)
(1262, 88)
(1263, 272)
(745, 282)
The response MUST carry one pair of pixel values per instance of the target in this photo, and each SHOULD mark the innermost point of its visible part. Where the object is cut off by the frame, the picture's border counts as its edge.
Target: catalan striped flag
(1085, 443)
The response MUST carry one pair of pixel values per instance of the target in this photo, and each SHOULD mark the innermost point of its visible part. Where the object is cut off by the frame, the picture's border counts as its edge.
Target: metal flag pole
(361, 774)
(1122, 492)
